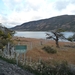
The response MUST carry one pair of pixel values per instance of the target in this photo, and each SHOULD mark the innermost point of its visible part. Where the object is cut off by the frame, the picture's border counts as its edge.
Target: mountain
(4, 29)
(66, 22)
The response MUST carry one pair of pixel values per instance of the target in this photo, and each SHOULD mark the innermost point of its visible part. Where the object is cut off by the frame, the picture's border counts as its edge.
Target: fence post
(1, 52)
(17, 54)
(8, 48)
(40, 60)
(13, 51)
(30, 60)
(31, 45)
(24, 59)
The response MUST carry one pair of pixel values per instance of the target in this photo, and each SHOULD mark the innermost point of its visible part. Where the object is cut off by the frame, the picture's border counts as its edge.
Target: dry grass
(63, 53)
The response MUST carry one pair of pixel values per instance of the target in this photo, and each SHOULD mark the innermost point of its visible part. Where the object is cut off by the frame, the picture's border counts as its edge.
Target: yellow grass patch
(63, 53)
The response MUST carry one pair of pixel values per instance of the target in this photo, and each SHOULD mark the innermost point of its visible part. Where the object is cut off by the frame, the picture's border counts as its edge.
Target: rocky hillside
(10, 69)
(67, 22)
(4, 29)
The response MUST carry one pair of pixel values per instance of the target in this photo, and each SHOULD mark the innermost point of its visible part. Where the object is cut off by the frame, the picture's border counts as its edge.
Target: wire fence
(23, 58)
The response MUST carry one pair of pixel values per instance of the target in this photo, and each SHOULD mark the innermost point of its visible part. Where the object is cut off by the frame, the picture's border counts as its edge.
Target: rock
(10, 69)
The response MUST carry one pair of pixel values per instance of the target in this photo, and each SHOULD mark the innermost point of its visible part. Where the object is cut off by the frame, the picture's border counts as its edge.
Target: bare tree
(56, 35)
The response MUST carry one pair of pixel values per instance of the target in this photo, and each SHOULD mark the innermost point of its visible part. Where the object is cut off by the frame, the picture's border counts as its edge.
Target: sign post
(20, 49)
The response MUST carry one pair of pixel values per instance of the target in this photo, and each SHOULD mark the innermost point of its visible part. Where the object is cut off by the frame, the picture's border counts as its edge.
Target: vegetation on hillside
(66, 22)
(5, 36)
(51, 64)
(54, 68)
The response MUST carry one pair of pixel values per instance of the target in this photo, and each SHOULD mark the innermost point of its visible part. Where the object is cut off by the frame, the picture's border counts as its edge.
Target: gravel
(10, 69)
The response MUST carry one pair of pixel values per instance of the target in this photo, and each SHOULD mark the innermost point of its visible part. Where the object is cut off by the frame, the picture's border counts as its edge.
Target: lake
(38, 34)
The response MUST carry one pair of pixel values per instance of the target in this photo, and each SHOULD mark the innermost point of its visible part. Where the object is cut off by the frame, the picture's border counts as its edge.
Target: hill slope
(4, 29)
(66, 22)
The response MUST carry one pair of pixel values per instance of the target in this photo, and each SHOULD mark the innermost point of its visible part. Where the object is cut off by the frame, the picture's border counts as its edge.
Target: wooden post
(30, 60)
(24, 59)
(31, 45)
(40, 60)
(8, 48)
(17, 54)
(1, 52)
(4, 53)
(41, 43)
(12, 53)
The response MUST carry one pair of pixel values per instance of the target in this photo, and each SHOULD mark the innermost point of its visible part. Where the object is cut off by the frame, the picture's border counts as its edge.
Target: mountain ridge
(66, 22)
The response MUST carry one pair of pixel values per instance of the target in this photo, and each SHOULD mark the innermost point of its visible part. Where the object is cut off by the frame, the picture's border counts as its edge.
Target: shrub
(8, 60)
(49, 49)
(44, 68)
(50, 69)
(62, 69)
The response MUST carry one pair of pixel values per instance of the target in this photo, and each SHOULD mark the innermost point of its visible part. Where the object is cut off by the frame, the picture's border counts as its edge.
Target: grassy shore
(66, 52)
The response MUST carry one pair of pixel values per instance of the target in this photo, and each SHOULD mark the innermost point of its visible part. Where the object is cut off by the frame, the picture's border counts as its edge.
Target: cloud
(64, 5)
(61, 4)
(26, 11)
(20, 11)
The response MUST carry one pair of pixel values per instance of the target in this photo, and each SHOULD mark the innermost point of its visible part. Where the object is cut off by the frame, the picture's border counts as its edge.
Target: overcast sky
(16, 12)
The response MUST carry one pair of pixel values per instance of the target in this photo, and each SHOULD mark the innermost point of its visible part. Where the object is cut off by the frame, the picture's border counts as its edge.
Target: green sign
(21, 48)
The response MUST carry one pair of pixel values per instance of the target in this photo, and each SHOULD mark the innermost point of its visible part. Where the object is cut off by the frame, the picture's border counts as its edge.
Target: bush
(43, 68)
(8, 60)
(49, 49)
(62, 69)
(50, 69)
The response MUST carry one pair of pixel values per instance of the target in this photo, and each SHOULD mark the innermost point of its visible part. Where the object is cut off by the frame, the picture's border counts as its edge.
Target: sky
(16, 12)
